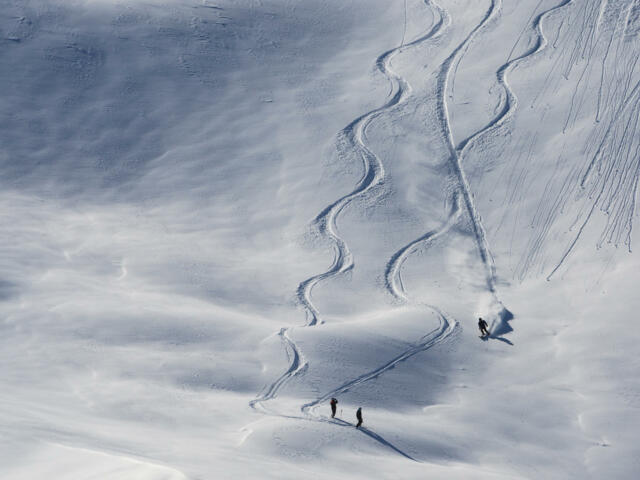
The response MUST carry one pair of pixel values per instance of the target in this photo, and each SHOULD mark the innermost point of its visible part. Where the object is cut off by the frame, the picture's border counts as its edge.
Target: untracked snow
(218, 215)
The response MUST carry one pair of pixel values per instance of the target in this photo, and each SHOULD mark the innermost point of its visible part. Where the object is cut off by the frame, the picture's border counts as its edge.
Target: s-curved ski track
(353, 135)
(298, 364)
(325, 223)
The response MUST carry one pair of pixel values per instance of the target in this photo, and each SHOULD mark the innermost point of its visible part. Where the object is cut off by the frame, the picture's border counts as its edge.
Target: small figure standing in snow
(334, 404)
(359, 417)
(482, 325)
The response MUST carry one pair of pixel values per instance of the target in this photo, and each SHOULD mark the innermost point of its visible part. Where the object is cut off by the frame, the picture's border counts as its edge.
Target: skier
(359, 417)
(333, 403)
(482, 325)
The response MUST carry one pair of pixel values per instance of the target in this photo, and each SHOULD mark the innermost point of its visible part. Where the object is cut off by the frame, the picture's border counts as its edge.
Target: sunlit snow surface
(217, 215)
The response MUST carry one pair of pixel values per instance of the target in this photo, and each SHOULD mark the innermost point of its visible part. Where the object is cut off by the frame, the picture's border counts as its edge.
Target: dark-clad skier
(359, 417)
(482, 325)
(334, 404)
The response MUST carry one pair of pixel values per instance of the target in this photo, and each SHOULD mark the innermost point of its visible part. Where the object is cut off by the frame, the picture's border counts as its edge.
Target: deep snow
(219, 215)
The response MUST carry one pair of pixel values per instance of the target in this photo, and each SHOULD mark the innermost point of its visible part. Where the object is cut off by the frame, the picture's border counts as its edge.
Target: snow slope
(219, 215)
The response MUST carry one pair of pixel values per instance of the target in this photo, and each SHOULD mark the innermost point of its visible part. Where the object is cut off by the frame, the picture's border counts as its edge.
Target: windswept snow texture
(219, 214)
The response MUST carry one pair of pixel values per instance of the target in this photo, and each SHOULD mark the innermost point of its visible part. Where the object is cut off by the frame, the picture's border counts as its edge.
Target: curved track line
(393, 278)
(392, 274)
(511, 102)
(325, 222)
(353, 134)
(427, 341)
(436, 336)
(507, 112)
(298, 364)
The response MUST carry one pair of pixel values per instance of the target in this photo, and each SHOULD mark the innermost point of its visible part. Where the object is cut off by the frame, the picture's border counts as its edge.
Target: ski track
(607, 186)
(353, 134)
(393, 278)
(609, 181)
(506, 113)
(298, 364)
(455, 152)
(325, 224)
(432, 338)
(604, 58)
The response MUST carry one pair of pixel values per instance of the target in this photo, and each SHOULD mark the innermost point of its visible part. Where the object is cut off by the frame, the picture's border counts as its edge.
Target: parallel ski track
(600, 191)
(609, 183)
(326, 221)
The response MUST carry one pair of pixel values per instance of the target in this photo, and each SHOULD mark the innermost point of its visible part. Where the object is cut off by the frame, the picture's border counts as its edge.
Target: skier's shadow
(501, 326)
(373, 435)
(487, 337)
(509, 342)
